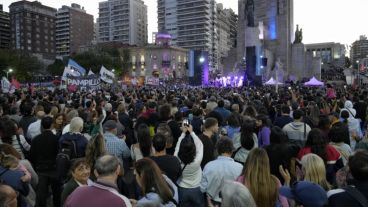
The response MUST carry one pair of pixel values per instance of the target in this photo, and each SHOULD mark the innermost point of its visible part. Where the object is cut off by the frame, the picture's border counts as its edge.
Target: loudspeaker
(264, 62)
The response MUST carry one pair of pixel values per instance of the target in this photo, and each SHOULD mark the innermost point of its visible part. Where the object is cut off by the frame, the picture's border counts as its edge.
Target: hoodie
(349, 107)
(295, 132)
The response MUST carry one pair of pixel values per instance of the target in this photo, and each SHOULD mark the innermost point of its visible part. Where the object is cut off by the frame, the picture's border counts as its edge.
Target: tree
(125, 58)
(24, 65)
(57, 68)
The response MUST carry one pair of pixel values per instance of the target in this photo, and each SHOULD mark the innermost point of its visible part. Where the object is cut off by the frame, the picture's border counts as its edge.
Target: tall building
(191, 25)
(275, 20)
(4, 29)
(233, 23)
(359, 49)
(33, 28)
(124, 21)
(74, 28)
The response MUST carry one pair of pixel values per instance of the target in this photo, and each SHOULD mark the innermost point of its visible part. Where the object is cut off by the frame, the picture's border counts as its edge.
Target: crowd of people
(187, 147)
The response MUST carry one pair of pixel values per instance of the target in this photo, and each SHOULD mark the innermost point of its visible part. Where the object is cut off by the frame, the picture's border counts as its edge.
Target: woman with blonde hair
(314, 170)
(261, 183)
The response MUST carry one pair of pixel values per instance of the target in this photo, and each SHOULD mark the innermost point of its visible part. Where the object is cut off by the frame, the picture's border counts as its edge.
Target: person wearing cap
(306, 194)
(114, 145)
(356, 193)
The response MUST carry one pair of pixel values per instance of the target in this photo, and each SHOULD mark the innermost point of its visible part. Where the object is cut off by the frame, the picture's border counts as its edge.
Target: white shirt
(66, 129)
(34, 129)
(192, 174)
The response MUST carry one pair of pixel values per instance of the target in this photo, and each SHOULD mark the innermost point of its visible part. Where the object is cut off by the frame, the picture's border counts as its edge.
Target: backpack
(67, 152)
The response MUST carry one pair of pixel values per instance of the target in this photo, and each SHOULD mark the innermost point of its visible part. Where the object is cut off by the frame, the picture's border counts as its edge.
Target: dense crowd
(187, 147)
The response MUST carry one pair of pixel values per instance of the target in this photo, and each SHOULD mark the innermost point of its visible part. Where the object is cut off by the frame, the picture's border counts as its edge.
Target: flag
(107, 75)
(69, 72)
(15, 83)
(75, 66)
(5, 85)
(91, 72)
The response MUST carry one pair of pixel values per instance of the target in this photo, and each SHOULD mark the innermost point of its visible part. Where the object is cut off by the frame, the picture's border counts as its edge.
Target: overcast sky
(322, 20)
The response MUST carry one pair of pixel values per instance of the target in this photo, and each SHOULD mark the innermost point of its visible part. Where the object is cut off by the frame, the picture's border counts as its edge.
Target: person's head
(211, 125)
(317, 142)
(339, 133)
(46, 123)
(59, 120)
(257, 174)
(262, 120)
(40, 114)
(8, 196)
(80, 170)
(324, 123)
(358, 165)
(285, 110)
(250, 111)
(9, 150)
(144, 140)
(95, 148)
(235, 108)
(107, 166)
(306, 194)
(111, 127)
(221, 103)
(159, 142)
(70, 115)
(225, 146)
(233, 120)
(76, 125)
(54, 111)
(9, 161)
(149, 177)
(235, 194)
(277, 136)
(164, 129)
(187, 150)
(314, 170)
(247, 131)
(345, 115)
(298, 115)
(8, 130)
(165, 112)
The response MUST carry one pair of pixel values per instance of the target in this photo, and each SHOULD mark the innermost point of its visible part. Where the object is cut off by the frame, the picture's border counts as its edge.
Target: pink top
(283, 200)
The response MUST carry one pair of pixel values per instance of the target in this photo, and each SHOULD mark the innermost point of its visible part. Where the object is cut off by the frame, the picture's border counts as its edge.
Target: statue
(298, 35)
(249, 13)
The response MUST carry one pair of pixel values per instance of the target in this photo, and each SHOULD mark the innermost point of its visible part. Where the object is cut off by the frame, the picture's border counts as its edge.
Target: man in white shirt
(34, 129)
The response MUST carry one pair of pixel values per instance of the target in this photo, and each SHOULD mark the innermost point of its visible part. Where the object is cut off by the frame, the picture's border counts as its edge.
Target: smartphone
(186, 122)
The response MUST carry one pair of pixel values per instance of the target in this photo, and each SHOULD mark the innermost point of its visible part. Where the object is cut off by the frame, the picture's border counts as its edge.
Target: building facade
(74, 28)
(159, 60)
(124, 21)
(192, 25)
(329, 52)
(4, 29)
(33, 28)
(359, 50)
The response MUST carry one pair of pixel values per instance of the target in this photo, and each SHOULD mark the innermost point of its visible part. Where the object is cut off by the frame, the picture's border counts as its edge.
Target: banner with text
(86, 82)
(152, 81)
(107, 75)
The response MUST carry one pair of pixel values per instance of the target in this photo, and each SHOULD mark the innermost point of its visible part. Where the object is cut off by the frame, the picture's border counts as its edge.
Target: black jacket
(340, 198)
(44, 150)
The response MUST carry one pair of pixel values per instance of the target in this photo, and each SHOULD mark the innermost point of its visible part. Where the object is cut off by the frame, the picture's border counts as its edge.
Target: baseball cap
(306, 193)
(110, 124)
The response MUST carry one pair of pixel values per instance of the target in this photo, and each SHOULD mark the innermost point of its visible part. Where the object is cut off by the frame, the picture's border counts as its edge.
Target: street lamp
(7, 73)
(113, 70)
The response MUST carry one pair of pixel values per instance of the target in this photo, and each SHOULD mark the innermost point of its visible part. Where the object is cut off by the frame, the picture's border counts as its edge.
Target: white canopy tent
(272, 81)
(314, 82)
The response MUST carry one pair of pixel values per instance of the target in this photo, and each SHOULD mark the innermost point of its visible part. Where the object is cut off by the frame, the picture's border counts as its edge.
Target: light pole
(7, 73)
(358, 72)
